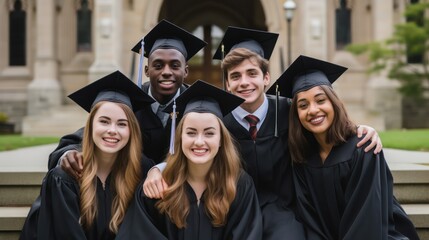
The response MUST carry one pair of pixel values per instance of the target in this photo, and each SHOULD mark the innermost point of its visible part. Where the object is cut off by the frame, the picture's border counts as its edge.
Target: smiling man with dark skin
(167, 70)
(168, 48)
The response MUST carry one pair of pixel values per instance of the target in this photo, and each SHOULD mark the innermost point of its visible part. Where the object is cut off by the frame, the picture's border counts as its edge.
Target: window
(17, 36)
(419, 20)
(84, 27)
(343, 25)
(213, 35)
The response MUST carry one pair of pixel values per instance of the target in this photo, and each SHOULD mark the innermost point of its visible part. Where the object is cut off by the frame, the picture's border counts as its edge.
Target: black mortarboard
(202, 97)
(166, 35)
(305, 73)
(115, 87)
(260, 42)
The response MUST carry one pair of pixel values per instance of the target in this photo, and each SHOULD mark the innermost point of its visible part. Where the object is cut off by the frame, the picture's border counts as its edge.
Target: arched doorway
(208, 20)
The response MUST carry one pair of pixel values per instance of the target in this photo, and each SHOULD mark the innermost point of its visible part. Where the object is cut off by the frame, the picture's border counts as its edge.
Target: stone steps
(22, 172)
(12, 219)
(419, 215)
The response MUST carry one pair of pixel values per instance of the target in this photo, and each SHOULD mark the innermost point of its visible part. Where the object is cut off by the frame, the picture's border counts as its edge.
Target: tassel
(276, 134)
(223, 77)
(139, 79)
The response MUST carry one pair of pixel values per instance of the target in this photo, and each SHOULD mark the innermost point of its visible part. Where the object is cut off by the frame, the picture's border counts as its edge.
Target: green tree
(409, 41)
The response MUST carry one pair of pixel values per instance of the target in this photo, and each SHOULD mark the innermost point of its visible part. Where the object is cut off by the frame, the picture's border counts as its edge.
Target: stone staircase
(410, 172)
(22, 171)
(21, 174)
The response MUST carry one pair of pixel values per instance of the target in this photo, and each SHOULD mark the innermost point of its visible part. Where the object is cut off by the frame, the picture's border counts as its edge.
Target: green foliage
(409, 39)
(3, 117)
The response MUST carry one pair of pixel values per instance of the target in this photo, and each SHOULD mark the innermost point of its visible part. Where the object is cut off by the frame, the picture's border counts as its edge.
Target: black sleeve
(306, 211)
(369, 200)
(141, 220)
(59, 211)
(244, 218)
(68, 142)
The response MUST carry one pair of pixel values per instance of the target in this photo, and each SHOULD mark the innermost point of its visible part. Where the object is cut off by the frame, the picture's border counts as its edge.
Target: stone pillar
(382, 97)
(107, 22)
(312, 17)
(44, 91)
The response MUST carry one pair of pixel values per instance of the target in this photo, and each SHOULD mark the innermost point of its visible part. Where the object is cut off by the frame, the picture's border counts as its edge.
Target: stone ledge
(418, 213)
(21, 178)
(12, 218)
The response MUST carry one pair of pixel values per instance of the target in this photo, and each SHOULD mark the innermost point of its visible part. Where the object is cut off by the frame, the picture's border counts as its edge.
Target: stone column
(382, 97)
(107, 22)
(312, 19)
(44, 91)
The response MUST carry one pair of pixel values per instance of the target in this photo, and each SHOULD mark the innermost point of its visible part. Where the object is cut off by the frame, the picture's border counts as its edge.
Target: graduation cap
(201, 97)
(305, 73)
(115, 87)
(260, 42)
(166, 35)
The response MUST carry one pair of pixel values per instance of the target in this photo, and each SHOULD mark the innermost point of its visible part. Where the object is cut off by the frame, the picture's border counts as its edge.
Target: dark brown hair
(302, 142)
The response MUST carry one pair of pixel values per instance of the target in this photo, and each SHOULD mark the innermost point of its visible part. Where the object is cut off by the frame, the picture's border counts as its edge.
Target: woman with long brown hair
(94, 206)
(209, 195)
(342, 191)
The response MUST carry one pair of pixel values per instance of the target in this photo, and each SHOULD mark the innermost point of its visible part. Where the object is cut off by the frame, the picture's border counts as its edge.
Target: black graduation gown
(349, 196)
(244, 219)
(267, 161)
(155, 136)
(59, 212)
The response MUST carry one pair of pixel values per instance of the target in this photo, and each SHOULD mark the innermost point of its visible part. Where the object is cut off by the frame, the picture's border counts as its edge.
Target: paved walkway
(36, 158)
(26, 159)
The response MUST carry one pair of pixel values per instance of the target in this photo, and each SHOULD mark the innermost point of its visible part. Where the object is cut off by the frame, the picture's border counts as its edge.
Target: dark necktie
(163, 116)
(253, 120)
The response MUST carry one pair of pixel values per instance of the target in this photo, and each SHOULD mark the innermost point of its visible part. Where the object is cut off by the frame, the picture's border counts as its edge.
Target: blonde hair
(221, 181)
(125, 175)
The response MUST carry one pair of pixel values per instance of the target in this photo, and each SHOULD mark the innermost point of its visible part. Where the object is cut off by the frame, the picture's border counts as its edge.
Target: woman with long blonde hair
(209, 196)
(94, 206)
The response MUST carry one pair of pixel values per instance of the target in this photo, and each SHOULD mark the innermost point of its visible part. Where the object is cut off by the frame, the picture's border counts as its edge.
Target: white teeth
(316, 120)
(246, 91)
(111, 140)
(166, 82)
(199, 150)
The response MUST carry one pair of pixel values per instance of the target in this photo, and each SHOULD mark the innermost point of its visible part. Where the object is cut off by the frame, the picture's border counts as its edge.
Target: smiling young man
(265, 156)
(168, 48)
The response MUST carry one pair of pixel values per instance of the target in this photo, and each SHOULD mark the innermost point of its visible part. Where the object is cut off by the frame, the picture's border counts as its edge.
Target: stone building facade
(50, 48)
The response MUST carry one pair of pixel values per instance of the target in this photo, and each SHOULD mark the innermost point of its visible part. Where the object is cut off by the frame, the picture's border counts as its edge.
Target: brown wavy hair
(238, 55)
(302, 142)
(221, 181)
(125, 175)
